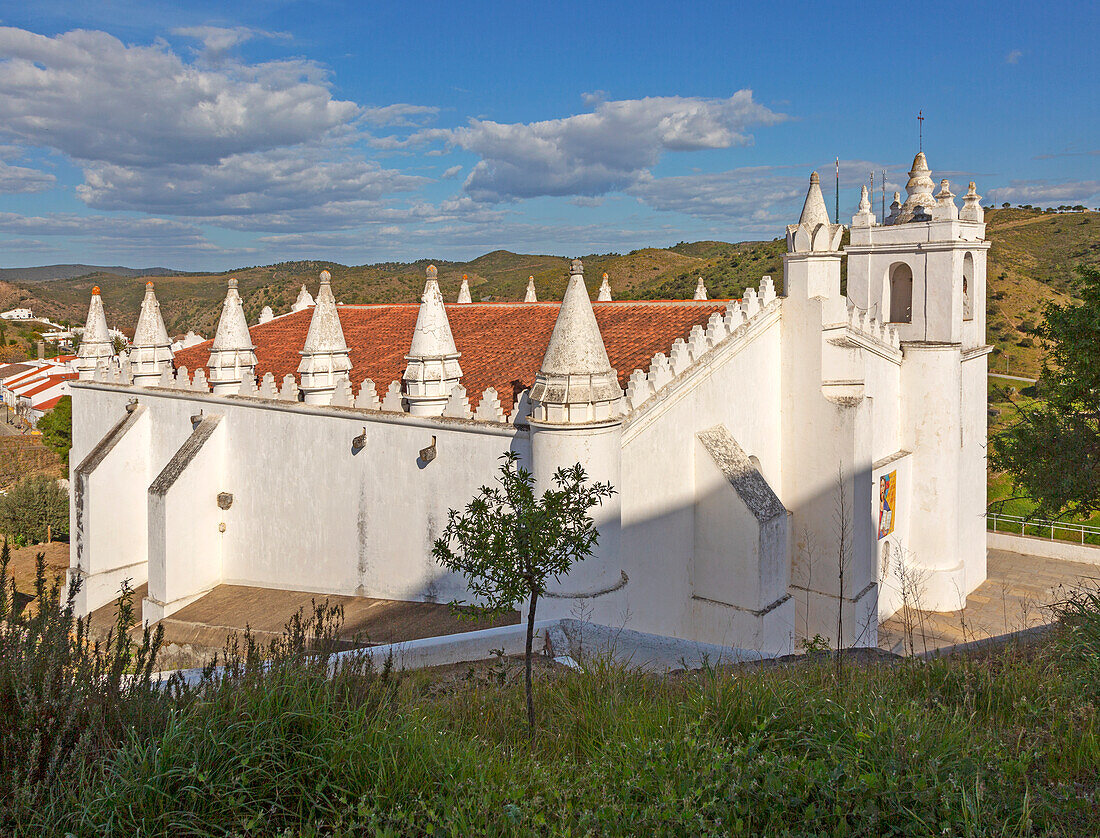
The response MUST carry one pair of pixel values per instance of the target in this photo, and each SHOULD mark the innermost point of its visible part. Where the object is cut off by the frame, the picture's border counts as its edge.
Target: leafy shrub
(35, 507)
(57, 428)
(65, 699)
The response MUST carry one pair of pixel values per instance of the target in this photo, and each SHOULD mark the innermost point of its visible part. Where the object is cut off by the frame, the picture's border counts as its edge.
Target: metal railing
(1050, 530)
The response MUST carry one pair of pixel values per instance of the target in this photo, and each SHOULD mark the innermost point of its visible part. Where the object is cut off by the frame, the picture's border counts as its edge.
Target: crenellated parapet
(863, 328)
(738, 324)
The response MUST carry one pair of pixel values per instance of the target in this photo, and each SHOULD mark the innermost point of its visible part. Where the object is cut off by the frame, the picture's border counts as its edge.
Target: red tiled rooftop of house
(502, 344)
(48, 405)
(46, 383)
(15, 369)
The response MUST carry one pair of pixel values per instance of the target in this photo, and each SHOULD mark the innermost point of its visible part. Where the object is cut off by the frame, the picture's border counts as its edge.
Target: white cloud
(399, 115)
(1047, 193)
(300, 179)
(760, 198)
(20, 179)
(743, 195)
(1014, 57)
(116, 233)
(218, 41)
(594, 153)
(94, 98)
(452, 172)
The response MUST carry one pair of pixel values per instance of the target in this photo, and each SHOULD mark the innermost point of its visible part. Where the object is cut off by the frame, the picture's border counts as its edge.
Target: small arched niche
(901, 293)
(968, 286)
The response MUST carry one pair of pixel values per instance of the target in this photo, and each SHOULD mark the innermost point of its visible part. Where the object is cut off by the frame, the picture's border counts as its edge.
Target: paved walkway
(1017, 595)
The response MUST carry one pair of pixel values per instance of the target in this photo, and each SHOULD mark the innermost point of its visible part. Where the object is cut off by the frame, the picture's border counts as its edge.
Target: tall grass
(65, 699)
(1002, 744)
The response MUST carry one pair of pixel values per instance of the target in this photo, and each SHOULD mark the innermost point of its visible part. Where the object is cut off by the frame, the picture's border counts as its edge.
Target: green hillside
(1031, 262)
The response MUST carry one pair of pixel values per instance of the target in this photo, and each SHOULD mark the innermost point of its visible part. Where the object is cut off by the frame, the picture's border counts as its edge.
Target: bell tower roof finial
(919, 191)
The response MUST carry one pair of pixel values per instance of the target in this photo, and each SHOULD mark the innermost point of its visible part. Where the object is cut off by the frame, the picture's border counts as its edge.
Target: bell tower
(923, 272)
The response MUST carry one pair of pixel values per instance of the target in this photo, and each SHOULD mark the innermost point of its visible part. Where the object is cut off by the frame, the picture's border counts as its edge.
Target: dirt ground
(21, 568)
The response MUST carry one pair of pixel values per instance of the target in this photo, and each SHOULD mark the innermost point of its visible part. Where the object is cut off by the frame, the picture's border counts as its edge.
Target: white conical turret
(464, 291)
(232, 355)
(432, 370)
(576, 418)
(972, 205)
(700, 290)
(814, 231)
(605, 291)
(576, 383)
(814, 211)
(530, 297)
(325, 362)
(96, 347)
(865, 216)
(266, 314)
(151, 351)
(919, 191)
(305, 300)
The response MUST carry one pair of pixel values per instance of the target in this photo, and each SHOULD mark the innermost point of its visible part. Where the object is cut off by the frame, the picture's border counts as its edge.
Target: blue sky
(211, 135)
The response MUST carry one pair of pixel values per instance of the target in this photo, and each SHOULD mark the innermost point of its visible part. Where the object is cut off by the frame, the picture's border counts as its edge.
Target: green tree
(510, 541)
(1052, 447)
(33, 507)
(57, 428)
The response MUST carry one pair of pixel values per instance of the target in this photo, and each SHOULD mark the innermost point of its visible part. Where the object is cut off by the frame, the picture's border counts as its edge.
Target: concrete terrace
(1016, 596)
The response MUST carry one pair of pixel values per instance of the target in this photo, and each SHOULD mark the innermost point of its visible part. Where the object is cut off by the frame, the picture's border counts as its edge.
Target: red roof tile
(502, 344)
(48, 382)
(49, 405)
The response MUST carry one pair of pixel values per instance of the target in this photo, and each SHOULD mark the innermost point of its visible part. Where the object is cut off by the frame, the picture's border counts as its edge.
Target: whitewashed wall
(308, 513)
(739, 388)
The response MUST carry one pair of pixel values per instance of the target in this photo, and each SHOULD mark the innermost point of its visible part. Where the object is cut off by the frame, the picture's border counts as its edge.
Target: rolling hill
(1031, 262)
(46, 273)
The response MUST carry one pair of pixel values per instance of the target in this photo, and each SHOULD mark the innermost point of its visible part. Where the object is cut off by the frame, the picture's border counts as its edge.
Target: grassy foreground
(1002, 744)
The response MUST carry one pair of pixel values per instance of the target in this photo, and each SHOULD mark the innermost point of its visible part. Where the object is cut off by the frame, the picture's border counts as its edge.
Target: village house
(321, 449)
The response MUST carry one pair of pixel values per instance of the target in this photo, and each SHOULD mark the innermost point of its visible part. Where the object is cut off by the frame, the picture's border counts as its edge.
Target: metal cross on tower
(920, 130)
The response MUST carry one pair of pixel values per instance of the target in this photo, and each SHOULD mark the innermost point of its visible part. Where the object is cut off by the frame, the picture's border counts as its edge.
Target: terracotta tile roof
(502, 344)
(48, 405)
(8, 370)
(23, 377)
(47, 382)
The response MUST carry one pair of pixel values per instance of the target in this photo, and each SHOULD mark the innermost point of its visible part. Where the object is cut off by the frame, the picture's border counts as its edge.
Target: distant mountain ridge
(47, 273)
(1031, 261)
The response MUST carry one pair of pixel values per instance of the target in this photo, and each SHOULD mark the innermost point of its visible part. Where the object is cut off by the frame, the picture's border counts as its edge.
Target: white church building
(757, 446)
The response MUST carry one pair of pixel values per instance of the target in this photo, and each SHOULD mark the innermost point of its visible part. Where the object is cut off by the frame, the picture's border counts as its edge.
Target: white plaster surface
(1029, 545)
